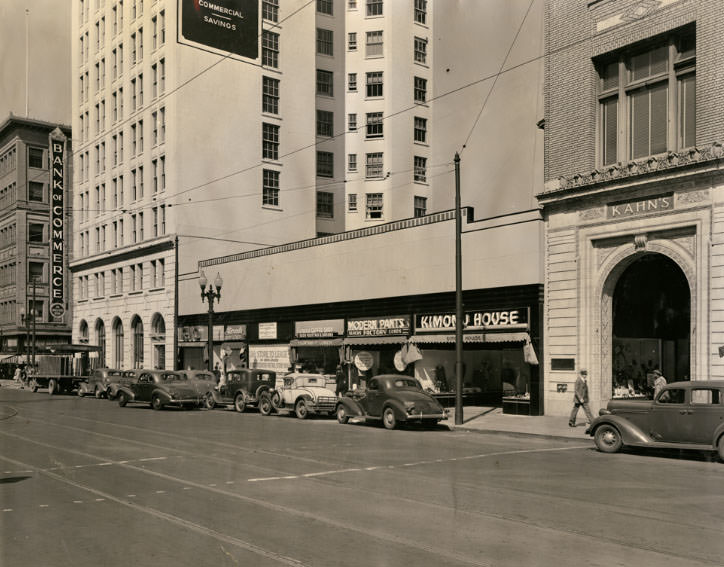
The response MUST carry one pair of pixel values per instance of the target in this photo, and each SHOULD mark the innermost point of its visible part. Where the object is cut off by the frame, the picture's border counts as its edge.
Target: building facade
(190, 146)
(33, 237)
(632, 197)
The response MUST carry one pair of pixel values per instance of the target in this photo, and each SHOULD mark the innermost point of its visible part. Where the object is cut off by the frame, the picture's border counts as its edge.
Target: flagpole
(27, 18)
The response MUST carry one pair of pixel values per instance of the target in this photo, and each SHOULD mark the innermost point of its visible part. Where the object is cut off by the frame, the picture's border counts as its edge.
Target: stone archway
(610, 274)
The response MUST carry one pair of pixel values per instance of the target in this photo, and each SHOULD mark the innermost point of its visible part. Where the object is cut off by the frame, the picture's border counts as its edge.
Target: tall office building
(34, 286)
(233, 125)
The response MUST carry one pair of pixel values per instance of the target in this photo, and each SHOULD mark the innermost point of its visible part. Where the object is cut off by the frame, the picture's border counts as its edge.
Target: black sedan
(392, 399)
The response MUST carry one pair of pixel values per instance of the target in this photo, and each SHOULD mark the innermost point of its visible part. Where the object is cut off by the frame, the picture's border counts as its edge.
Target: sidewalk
(493, 420)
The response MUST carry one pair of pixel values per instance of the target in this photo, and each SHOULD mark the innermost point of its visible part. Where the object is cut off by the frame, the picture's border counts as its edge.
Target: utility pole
(32, 312)
(175, 305)
(459, 314)
(27, 61)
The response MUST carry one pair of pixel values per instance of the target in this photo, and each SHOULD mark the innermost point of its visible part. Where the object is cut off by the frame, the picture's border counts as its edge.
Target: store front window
(651, 325)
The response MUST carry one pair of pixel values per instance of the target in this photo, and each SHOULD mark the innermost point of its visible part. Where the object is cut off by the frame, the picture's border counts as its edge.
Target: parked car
(684, 415)
(301, 393)
(393, 399)
(203, 381)
(98, 382)
(161, 388)
(115, 382)
(244, 388)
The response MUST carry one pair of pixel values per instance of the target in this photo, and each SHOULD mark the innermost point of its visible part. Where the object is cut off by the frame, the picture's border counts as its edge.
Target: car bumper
(424, 416)
(183, 401)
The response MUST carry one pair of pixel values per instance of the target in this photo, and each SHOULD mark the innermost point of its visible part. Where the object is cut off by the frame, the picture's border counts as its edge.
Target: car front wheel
(122, 399)
(300, 409)
(209, 401)
(342, 416)
(156, 402)
(265, 405)
(388, 418)
(608, 439)
(720, 446)
(240, 402)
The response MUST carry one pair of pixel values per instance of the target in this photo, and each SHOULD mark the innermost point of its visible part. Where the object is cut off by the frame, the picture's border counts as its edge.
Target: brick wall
(573, 40)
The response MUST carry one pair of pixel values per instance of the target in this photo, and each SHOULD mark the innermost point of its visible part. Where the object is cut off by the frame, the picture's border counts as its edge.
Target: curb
(518, 433)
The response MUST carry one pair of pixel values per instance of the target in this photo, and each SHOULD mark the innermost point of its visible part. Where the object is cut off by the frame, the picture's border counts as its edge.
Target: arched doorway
(137, 327)
(101, 338)
(651, 311)
(118, 343)
(83, 332)
(158, 340)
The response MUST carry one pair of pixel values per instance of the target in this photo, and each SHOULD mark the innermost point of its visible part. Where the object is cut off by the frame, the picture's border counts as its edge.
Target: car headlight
(173, 396)
(603, 411)
(410, 407)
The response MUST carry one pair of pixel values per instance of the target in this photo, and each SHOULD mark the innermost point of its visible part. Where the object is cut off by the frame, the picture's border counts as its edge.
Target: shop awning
(190, 344)
(519, 337)
(396, 340)
(316, 342)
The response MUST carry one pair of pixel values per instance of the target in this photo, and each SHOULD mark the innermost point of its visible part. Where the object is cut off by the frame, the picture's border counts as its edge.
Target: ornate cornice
(634, 169)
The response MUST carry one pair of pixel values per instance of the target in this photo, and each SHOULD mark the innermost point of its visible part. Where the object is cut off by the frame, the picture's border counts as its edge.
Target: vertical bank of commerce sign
(228, 25)
(57, 223)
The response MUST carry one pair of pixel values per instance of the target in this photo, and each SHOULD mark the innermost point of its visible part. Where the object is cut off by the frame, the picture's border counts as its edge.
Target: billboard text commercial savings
(228, 25)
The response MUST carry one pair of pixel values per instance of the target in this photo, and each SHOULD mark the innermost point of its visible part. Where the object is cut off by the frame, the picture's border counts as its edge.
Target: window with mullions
(325, 42)
(421, 11)
(325, 204)
(420, 89)
(374, 45)
(352, 41)
(420, 164)
(374, 7)
(373, 206)
(352, 82)
(270, 188)
(270, 10)
(269, 49)
(270, 141)
(324, 7)
(374, 165)
(420, 47)
(374, 84)
(420, 206)
(270, 95)
(325, 164)
(324, 83)
(374, 125)
(647, 99)
(420, 130)
(325, 123)
(35, 157)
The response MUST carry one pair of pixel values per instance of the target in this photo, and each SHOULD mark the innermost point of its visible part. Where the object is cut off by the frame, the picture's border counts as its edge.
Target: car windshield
(406, 383)
(114, 373)
(205, 376)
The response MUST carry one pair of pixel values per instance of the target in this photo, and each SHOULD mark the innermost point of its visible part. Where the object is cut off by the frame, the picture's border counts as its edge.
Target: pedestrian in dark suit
(580, 398)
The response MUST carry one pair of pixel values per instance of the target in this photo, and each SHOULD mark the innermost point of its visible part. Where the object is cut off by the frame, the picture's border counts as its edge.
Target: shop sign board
(378, 326)
(57, 227)
(269, 357)
(228, 25)
(637, 207)
(319, 329)
(267, 331)
(235, 333)
(489, 320)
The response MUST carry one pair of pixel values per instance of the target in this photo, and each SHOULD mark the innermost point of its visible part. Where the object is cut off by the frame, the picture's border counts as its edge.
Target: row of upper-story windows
(84, 7)
(113, 235)
(8, 160)
(119, 280)
(373, 208)
(8, 274)
(373, 8)
(374, 45)
(8, 235)
(647, 98)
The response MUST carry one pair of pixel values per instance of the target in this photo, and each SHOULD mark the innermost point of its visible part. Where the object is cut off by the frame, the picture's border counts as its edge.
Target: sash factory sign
(57, 225)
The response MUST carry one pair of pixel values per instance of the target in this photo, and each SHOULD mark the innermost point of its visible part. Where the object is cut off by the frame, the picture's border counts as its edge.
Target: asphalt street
(84, 482)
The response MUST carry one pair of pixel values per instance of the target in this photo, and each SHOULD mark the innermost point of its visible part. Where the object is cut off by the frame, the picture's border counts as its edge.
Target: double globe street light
(209, 294)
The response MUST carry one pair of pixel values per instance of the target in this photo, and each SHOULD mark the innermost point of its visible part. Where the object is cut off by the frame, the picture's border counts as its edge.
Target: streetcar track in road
(278, 557)
(370, 532)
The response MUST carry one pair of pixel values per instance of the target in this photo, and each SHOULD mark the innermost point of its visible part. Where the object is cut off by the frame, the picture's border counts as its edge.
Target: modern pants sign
(57, 226)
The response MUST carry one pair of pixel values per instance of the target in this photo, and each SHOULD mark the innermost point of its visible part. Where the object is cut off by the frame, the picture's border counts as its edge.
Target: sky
(49, 66)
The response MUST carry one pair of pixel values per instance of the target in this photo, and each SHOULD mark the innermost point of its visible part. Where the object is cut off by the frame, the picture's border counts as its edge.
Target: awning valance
(194, 344)
(330, 342)
(520, 337)
(395, 340)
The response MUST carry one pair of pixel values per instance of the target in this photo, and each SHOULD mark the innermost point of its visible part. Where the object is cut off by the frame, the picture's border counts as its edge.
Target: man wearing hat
(580, 398)
(659, 382)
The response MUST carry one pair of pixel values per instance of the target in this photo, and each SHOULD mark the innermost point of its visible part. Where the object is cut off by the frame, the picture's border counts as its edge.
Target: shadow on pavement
(676, 454)
(13, 479)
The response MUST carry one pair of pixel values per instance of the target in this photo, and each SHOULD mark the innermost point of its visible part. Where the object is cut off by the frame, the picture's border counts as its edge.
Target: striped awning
(394, 340)
(520, 337)
(330, 342)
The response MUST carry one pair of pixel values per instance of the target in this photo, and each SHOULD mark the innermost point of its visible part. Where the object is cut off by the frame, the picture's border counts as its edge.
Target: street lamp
(209, 295)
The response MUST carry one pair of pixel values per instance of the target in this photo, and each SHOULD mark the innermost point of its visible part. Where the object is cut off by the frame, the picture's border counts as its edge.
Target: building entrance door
(651, 325)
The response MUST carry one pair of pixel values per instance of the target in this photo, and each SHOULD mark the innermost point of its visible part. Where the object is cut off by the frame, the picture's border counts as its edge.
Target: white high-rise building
(183, 151)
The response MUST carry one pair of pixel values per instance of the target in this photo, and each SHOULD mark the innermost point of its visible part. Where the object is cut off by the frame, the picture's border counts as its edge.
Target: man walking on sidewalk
(580, 398)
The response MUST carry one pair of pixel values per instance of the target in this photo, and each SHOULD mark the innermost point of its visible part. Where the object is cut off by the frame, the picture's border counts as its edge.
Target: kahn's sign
(57, 227)
(475, 320)
(660, 203)
(228, 25)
